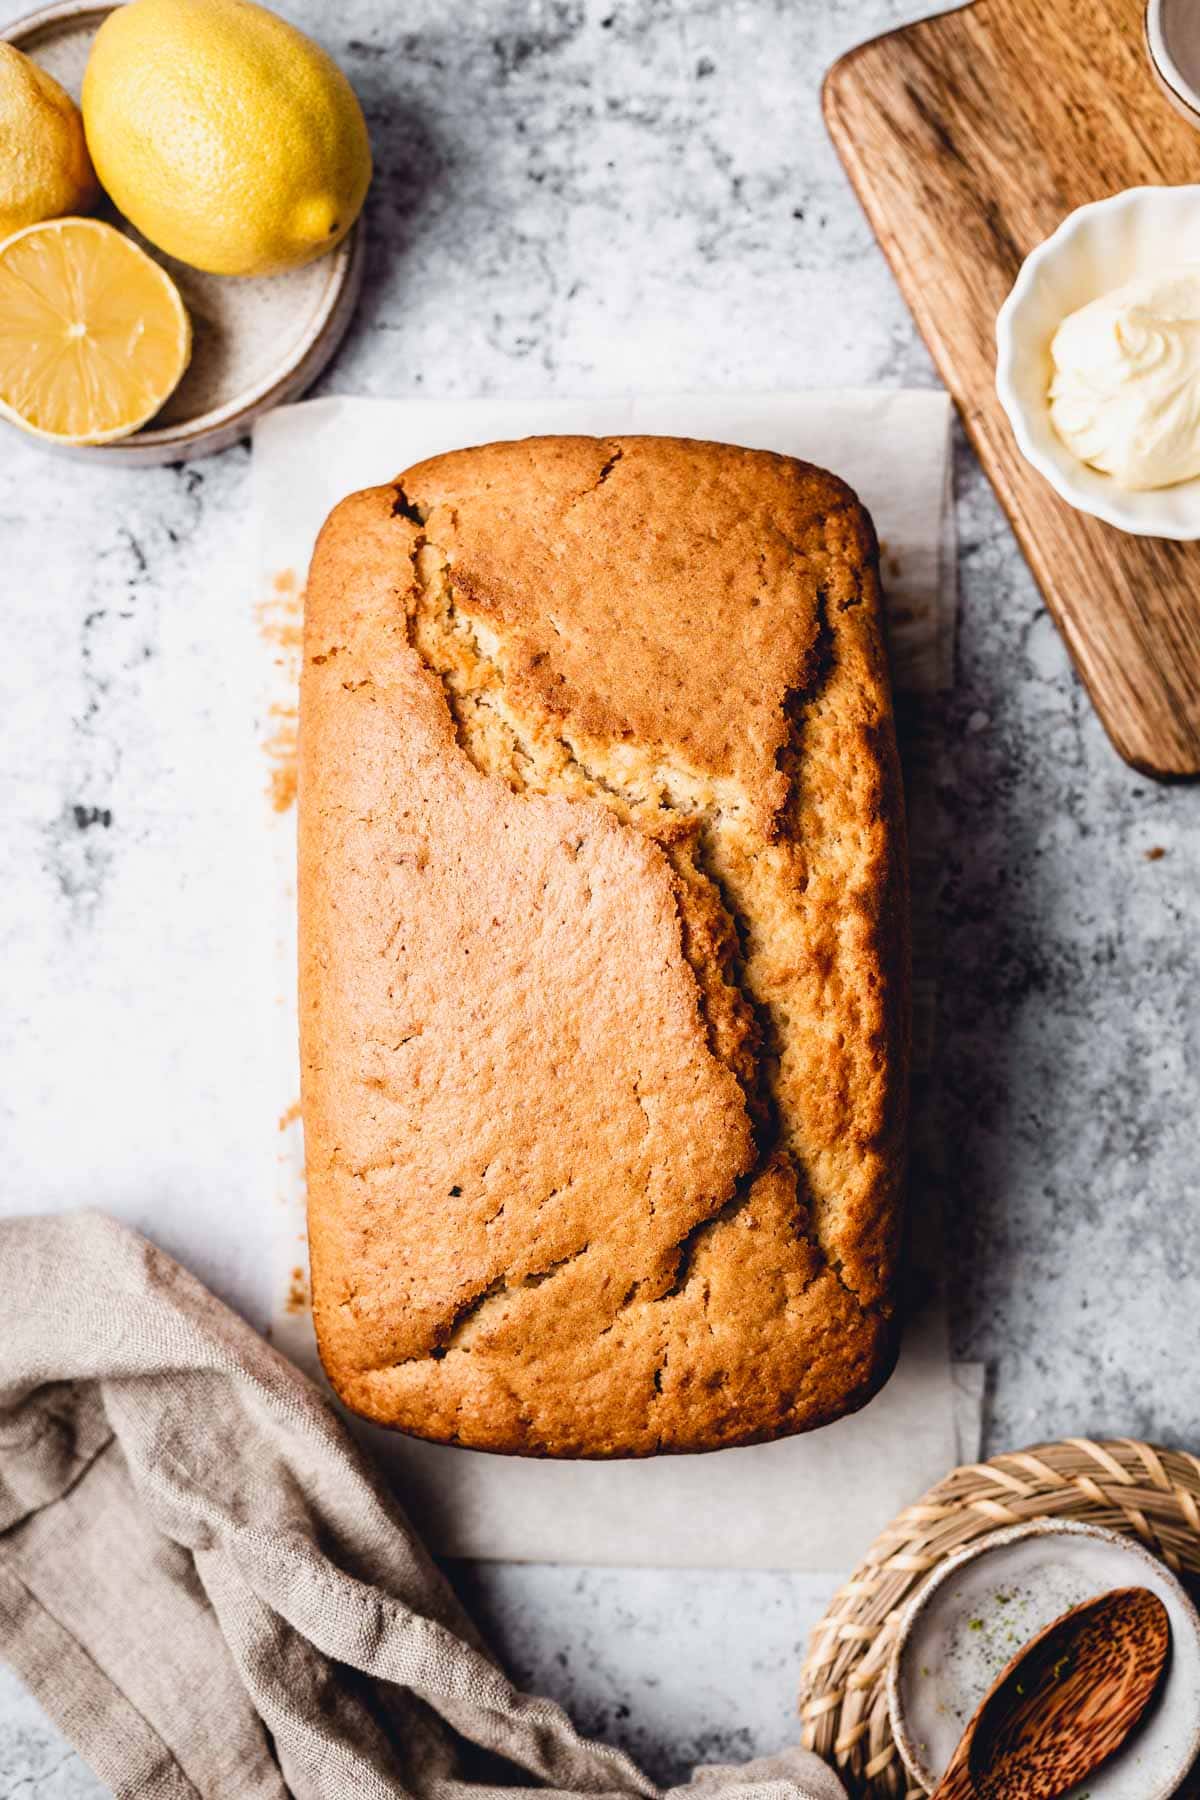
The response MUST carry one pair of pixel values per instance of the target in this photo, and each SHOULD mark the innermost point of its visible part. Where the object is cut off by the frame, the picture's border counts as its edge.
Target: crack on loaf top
(679, 809)
(404, 508)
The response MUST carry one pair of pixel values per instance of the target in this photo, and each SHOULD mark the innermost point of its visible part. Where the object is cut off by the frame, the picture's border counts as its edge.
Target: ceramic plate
(982, 1606)
(256, 342)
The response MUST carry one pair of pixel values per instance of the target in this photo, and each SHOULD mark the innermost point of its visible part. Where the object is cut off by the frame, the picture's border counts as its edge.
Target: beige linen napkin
(204, 1584)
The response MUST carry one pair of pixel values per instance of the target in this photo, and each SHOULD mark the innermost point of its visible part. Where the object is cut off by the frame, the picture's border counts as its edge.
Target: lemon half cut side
(94, 336)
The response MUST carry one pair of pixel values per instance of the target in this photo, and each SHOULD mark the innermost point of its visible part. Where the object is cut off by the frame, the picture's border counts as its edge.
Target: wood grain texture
(968, 138)
(1065, 1703)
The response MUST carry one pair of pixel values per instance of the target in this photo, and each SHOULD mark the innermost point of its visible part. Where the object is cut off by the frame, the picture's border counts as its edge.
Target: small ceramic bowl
(1095, 249)
(981, 1607)
(255, 342)
(1173, 45)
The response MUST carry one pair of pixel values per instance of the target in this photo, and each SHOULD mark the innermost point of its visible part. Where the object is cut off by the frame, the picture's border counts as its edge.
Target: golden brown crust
(604, 985)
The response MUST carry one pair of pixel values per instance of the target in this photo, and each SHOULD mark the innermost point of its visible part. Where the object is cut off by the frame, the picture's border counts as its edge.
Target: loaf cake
(603, 949)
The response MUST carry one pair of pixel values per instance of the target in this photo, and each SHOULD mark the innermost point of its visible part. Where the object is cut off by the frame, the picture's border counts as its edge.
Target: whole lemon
(227, 137)
(45, 169)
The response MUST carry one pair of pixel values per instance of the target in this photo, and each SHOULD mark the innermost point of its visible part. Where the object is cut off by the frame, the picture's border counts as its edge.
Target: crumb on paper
(281, 748)
(1155, 853)
(281, 625)
(290, 1116)
(297, 1299)
(281, 615)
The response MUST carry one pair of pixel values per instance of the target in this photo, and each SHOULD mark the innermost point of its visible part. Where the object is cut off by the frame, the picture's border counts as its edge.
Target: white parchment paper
(810, 1503)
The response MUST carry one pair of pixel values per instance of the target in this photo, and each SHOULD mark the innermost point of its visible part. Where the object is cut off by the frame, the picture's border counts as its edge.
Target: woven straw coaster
(1152, 1494)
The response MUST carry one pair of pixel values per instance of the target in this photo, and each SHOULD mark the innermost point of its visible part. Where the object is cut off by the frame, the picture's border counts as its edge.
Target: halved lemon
(93, 334)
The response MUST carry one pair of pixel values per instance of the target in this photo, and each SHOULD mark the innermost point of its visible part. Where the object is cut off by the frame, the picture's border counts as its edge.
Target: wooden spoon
(1064, 1703)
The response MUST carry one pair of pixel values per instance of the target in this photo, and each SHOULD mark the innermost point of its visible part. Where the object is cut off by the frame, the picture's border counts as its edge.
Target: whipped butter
(1125, 392)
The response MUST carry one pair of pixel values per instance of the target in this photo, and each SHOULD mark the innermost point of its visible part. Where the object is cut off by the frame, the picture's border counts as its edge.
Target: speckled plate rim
(997, 1540)
(223, 425)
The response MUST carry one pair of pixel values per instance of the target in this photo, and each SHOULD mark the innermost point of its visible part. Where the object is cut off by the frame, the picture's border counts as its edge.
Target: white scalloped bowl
(1095, 249)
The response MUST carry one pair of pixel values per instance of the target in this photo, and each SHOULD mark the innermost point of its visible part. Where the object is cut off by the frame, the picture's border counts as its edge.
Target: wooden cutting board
(968, 138)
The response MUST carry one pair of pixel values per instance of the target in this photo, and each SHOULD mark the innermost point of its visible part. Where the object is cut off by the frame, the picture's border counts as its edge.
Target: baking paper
(810, 1503)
